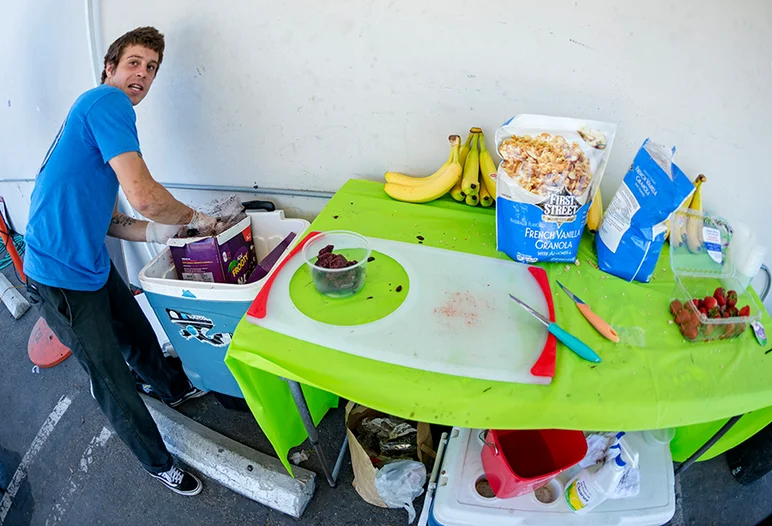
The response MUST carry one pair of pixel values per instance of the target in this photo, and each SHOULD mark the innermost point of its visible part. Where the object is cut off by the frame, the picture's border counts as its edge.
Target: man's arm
(127, 228)
(145, 194)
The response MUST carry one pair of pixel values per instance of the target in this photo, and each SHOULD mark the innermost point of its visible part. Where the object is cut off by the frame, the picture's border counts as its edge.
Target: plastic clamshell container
(700, 265)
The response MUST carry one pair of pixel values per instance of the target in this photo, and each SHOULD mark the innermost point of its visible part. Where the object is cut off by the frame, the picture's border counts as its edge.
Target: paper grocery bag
(364, 471)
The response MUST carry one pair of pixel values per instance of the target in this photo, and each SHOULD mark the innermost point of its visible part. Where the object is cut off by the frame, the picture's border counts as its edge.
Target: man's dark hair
(148, 37)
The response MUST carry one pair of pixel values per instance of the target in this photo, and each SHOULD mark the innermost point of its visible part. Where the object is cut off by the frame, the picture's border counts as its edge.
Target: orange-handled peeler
(599, 323)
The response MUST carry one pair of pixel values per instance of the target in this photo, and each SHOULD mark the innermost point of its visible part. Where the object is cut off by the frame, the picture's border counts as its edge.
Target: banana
(456, 192)
(434, 189)
(485, 197)
(677, 223)
(472, 200)
(470, 182)
(465, 148)
(694, 222)
(595, 214)
(409, 180)
(487, 168)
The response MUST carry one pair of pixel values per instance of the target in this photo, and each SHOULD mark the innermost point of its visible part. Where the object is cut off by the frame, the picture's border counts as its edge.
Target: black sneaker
(180, 481)
(194, 392)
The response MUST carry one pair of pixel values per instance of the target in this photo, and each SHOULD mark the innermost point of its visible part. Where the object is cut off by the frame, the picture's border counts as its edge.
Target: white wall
(307, 94)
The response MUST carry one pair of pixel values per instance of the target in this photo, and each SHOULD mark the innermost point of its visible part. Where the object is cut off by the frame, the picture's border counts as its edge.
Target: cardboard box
(226, 258)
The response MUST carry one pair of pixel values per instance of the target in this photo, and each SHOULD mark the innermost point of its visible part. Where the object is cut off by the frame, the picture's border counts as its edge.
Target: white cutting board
(457, 318)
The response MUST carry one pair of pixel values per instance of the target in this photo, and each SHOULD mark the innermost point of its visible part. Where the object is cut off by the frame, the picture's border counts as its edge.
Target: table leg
(683, 466)
(339, 462)
(313, 436)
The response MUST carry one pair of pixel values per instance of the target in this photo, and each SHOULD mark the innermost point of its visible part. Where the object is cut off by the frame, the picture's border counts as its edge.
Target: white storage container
(457, 502)
(199, 318)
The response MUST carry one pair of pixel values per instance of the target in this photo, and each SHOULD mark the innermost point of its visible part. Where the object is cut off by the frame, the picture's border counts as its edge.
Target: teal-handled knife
(569, 340)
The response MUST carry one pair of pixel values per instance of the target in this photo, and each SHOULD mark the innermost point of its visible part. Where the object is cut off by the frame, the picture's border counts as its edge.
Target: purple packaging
(226, 258)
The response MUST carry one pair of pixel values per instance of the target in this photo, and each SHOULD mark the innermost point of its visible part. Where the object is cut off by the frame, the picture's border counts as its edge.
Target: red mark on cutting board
(461, 307)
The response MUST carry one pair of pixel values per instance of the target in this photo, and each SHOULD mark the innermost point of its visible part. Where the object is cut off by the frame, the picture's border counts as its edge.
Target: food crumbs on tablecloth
(577, 263)
(670, 322)
(371, 258)
(568, 267)
(419, 238)
(593, 366)
(399, 288)
(335, 217)
(370, 297)
(488, 389)
(420, 242)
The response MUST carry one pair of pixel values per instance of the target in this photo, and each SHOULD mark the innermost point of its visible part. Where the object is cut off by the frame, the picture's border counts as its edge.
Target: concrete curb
(255, 475)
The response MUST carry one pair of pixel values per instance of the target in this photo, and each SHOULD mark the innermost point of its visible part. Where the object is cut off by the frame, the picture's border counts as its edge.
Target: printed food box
(228, 257)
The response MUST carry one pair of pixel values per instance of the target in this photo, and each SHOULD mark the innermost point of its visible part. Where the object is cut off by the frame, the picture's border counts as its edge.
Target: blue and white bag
(632, 233)
(550, 170)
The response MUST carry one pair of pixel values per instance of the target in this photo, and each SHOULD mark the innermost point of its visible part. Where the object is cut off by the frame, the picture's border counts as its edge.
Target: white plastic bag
(398, 483)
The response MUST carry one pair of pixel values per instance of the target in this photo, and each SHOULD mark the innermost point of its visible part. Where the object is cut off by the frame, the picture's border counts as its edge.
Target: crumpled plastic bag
(598, 452)
(398, 483)
(227, 210)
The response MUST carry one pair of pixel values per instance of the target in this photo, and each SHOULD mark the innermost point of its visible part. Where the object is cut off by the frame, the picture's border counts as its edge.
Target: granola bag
(550, 170)
(632, 233)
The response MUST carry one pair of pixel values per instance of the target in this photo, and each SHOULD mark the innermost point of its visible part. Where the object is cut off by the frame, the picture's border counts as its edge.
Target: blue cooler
(198, 317)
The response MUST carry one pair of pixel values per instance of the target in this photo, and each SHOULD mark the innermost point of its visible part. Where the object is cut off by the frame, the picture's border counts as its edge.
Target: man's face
(134, 73)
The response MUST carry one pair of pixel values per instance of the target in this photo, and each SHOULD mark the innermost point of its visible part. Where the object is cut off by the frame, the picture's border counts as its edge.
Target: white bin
(199, 318)
(457, 502)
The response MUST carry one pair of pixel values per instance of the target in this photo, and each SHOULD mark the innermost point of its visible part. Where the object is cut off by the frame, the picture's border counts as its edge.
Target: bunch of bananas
(687, 228)
(468, 175)
(595, 213)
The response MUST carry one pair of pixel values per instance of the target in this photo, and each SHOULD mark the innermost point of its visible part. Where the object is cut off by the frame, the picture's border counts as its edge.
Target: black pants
(105, 329)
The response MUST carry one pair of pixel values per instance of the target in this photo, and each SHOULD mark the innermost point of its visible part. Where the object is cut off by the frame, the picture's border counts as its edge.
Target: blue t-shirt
(75, 192)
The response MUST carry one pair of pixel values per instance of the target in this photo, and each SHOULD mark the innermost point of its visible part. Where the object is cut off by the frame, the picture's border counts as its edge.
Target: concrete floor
(82, 474)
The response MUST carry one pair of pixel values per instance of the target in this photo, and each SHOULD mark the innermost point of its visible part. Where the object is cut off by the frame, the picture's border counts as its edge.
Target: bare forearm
(161, 206)
(127, 228)
(145, 194)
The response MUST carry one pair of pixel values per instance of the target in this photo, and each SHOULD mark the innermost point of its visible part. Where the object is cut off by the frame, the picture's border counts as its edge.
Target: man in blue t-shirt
(70, 277)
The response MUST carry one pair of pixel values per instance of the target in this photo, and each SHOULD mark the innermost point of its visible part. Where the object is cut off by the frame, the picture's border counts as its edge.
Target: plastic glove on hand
(160, 233)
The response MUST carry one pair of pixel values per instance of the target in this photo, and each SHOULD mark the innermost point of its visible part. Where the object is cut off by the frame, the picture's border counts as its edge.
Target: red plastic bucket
(517, 462)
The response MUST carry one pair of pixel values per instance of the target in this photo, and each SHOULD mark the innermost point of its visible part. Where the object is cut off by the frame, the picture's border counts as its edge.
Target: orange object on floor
(44, 348)
(11, 248)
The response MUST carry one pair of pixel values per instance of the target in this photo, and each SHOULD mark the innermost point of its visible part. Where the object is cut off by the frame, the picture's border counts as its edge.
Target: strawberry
(683, 316)
(675, 307)
(732, 311)
(708, 328)
(714, 313)
(709, 302)
(728, 330)
(690, 332)
(721, 291)
(745, 311)
(703, 312)
(694, 305)
(720, 299)
(726, 315)
(731, 298)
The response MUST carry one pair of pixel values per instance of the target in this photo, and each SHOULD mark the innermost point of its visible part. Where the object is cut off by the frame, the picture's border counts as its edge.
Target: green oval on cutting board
(384, 276)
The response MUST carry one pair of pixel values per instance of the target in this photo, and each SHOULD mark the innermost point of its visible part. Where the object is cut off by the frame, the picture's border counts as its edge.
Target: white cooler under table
(457, 502)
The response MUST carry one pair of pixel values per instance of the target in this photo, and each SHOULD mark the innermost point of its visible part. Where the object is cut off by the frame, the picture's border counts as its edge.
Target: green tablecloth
(652, 379)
